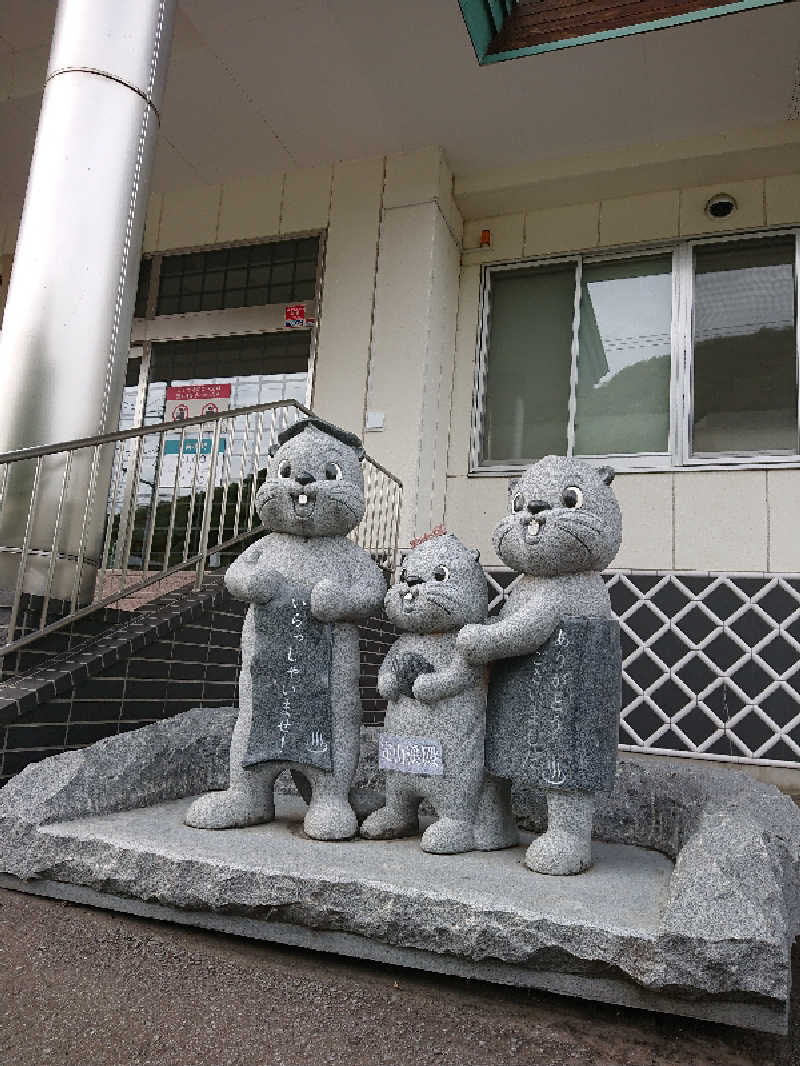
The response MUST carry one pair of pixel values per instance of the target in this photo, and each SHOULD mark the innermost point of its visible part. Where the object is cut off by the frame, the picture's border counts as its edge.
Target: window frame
(225, 322)
(681, 401)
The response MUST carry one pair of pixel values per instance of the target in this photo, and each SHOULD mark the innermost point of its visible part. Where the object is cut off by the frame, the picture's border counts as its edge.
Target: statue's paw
(426, 689)
(231, 809)
(559, 853)
(473, 643)
(326, 601)
(381, 825)
(448, 836)
(330, 818)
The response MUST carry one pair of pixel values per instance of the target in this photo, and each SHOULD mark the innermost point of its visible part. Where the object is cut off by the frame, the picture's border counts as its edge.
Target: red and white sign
(295, 315)
(186, 401)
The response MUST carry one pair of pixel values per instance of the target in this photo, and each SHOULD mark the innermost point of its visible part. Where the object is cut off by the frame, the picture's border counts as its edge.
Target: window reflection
(745, 379)
(624, 357)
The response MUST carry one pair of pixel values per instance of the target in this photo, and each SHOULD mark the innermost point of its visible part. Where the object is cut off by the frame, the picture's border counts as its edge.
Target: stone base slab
(691, 906)
(399, 897)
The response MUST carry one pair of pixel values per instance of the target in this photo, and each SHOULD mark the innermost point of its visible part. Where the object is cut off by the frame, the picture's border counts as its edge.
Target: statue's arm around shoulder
(521, 633)
(250, 577)
(457, 677)
(353, 593)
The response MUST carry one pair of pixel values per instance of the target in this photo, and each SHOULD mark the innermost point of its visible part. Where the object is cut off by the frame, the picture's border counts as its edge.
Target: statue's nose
(537, 506)
(305, 478)
(411, 580)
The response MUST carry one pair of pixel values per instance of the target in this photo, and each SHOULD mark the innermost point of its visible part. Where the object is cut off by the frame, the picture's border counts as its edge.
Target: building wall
(398, 322)
(735, 520)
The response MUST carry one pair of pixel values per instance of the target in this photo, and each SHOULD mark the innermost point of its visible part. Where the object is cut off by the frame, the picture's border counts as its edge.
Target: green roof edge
(481, 30)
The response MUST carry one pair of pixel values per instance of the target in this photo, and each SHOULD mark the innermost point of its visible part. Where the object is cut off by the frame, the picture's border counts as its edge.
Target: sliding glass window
(685, 355)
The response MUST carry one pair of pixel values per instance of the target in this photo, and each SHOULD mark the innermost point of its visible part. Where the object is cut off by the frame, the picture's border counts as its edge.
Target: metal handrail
(210, 507)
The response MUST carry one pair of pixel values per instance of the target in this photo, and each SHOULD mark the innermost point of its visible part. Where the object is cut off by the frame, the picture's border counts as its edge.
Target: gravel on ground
(82, 987)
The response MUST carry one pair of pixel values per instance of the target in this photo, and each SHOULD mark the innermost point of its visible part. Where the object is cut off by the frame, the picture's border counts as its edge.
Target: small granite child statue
(555, 687)
(308, 586)
(433, 739)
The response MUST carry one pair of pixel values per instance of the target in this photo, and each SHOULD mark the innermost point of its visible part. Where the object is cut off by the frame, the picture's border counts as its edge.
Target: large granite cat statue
(555, 688)
(433, 738)
(308, 586)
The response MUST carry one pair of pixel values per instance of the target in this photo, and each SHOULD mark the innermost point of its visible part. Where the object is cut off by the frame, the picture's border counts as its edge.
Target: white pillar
(413, 338)
(70, 298)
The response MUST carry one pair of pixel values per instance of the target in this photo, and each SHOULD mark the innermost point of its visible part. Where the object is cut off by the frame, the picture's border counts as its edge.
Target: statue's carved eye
(285, 469)
(333, 472)
(573, 497)
(518, 502)
(441, 573)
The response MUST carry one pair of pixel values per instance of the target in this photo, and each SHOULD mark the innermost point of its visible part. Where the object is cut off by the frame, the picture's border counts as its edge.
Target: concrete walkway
(80, 986)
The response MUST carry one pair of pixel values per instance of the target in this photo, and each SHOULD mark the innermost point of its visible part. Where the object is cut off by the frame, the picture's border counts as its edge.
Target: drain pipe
(66, 329)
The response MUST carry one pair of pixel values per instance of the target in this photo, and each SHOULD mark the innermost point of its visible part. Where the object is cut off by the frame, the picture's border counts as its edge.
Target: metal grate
(711, 663)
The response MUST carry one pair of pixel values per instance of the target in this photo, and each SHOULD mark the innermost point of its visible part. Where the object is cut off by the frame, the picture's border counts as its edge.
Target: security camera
(720, 206)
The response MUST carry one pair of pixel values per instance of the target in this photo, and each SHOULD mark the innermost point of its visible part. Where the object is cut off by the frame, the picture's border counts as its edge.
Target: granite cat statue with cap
(432, 743)
(308, 586)
(555, 685)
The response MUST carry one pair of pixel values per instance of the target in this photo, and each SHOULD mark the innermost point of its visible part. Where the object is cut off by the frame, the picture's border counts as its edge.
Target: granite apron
(552, 717)
(290, 672)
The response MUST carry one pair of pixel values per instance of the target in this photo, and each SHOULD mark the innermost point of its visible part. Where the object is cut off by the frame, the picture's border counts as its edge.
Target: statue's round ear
(607, 473)
(360, 452)
(476, 554)
(273, 450)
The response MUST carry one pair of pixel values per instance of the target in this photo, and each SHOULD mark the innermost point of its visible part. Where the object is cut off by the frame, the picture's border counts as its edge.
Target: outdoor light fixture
(486, 238)
(720, 206)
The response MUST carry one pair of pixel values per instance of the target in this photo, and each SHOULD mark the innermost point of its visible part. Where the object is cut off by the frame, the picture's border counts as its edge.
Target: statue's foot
(381, 825)
(330, 818)
(448, 836)
(237, 806)
(496, 832)
(559, 852)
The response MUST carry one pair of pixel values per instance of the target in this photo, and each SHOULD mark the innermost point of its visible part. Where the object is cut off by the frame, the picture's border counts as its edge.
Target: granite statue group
(474, 704)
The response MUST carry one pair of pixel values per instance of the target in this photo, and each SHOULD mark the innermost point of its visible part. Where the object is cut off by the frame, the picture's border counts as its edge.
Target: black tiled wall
(195, 665)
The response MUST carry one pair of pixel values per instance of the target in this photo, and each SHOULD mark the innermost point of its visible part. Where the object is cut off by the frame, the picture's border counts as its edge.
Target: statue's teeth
(533, 529)
(302, 498)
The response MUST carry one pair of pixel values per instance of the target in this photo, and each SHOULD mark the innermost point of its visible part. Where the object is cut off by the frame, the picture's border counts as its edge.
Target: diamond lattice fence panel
(711, 663)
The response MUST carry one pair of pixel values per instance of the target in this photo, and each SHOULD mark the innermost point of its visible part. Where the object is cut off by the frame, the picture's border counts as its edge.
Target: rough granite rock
(308, 586)
(722, 924)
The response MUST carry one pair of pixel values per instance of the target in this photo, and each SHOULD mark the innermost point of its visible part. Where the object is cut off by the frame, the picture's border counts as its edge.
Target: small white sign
(410, 755)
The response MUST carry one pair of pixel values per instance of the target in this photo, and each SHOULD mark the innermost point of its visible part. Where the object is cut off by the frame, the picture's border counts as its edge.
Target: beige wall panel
(639, 218)
(474, 507)
(447, 204)
(152, 223)
(400, 346)
(783, 493)
(721, 520)
(437, 392)
(783, 200)
(250, 208)
(464, 373)
(561, 229)
(189, 217)
(647, 521)
(749, 197)
(507, 239)
(413, 177)
(340, 374)
(306, 200)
